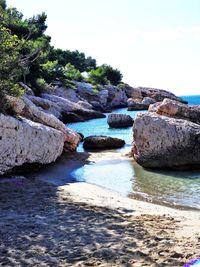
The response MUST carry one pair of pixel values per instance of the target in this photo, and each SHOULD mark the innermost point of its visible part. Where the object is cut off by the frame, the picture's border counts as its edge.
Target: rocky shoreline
(38, 133)
(167, 136)
(81, 224)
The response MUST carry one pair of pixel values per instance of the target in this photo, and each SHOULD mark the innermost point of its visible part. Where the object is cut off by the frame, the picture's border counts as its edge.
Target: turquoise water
(100, 127)
(192, 99)
(121, 174)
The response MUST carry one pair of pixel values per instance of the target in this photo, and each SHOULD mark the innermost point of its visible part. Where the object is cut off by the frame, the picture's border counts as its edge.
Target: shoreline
(94, 195)
(81, 224)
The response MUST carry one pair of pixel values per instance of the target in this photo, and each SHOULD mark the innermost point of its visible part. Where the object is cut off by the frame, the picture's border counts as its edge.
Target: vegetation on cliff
(28, 56)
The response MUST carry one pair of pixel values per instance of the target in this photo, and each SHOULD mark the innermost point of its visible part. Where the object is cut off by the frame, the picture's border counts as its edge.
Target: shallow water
(100, 127)
(121, 174)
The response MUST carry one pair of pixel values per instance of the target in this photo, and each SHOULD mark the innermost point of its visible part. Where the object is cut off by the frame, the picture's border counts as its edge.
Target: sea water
(123, 175)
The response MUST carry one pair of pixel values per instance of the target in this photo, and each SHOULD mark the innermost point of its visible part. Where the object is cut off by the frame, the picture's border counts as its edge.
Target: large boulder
(24, 107)
(69, 107)
(168, 142)
(148, 101)
(97, 98)
(156, 94)
(179, 110)
(23, 141)
(67, 93)
(117, 98)
(136, 104)
(102, 142)
(141, 98)
(119, 120)
(47, 106)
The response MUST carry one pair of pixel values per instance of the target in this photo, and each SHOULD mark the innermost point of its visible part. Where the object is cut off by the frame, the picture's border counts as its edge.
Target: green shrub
(97, 76)
(69, 83)
(121, 86)
(42, 85)
(71, 73)
(105, 75)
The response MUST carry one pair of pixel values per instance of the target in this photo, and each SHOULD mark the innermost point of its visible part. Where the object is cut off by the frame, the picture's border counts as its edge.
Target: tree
(3, 4)
(104, 75)
(97, 76)
(77, 59)
(12, 65)
(71, 73)
(113, 75)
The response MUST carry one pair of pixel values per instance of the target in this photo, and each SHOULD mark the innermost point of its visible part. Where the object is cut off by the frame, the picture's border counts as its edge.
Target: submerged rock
(168, 142)
(102, 142)
(23, 141)
(119, 120)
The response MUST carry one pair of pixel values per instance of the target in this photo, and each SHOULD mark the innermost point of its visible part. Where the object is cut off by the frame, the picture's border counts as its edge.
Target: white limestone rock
(23, 141)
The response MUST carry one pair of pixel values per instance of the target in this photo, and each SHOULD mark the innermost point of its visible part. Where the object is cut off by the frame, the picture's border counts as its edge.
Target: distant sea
(192, 99)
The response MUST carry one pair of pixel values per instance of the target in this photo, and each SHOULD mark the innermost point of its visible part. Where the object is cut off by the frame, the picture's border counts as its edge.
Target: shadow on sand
(41, 226)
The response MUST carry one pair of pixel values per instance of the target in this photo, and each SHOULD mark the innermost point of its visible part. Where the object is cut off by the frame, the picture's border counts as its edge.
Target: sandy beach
(80, 224)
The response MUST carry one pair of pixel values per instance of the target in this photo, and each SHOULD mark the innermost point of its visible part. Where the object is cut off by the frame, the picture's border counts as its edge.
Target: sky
(154, 43)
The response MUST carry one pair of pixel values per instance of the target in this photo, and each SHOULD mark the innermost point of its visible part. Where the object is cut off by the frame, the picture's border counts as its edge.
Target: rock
(131, 92)
(85, 104)
(26, 88)
(98, 99)
(24, 107)
(136, 104)
(148, 101)
(67, 93)
(68, 106)
(82, 136)
(71, 117)
(23, 141)
(47, 106)
(119, 120)
(179, 110)
(164, 142)
(116, 97)
(156, 94)
(153, 107)
(102, 142)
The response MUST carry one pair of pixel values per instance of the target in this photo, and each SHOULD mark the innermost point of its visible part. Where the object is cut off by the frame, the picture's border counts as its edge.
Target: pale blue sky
(154, 43)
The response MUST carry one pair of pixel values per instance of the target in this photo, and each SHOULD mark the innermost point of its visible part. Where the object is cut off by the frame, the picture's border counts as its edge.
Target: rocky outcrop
(24, 107)
(67, 93)
(136, 104)
(102, 142)
(141, 98)
(117, 98)
(119, 120)
(175, 109)
(23, 141)
(47, 106)
(96, 97)
(105, 98)
(168, 136)
(69, 107)
(148, 101)
(156, 94)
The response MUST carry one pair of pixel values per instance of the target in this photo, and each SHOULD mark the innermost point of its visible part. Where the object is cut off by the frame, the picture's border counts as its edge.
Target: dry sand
(84, 225)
